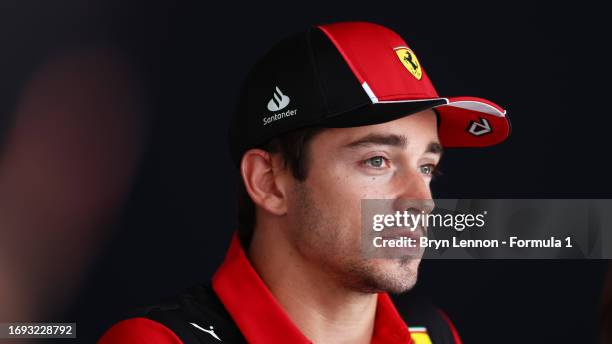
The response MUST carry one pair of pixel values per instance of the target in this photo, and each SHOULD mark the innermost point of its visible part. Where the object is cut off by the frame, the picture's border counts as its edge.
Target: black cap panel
(301, 81)
(341, 88)
(280, 94)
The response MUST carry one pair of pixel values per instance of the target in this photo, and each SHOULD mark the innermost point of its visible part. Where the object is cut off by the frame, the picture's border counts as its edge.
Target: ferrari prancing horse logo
(410, 61)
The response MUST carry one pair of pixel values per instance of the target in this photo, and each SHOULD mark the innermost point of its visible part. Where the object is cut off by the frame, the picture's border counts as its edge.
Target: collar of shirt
(261, 318)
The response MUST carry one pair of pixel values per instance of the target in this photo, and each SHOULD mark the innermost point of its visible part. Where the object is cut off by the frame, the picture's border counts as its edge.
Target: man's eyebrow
(378, 139)
(435, 148)
(392, 140)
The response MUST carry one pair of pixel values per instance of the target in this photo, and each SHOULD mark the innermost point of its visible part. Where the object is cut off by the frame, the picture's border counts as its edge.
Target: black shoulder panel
(196, 316)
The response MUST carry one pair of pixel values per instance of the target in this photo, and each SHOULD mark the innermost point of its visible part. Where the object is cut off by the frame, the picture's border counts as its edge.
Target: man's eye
(376, 162)
(428, 169)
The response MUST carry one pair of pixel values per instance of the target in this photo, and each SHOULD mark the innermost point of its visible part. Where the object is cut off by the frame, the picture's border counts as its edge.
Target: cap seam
(315, 70)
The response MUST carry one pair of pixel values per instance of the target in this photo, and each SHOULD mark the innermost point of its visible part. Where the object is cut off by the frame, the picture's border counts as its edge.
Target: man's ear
(264, 181)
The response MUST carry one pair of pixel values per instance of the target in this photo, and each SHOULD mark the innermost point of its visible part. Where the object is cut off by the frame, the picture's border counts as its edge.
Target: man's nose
(415, 194)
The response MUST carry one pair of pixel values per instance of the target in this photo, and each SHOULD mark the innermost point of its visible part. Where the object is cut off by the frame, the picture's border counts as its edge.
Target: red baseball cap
(351, 74)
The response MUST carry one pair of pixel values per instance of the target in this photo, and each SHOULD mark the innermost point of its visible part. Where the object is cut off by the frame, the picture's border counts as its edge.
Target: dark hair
(293, 149)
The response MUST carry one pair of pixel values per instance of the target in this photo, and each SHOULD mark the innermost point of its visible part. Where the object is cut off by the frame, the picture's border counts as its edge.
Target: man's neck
(324, 310)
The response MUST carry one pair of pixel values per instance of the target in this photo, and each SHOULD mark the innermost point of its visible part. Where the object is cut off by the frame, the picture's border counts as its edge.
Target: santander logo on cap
(279, 101)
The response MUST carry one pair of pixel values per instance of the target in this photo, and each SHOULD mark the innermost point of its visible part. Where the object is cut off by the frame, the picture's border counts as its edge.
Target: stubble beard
(324, 237)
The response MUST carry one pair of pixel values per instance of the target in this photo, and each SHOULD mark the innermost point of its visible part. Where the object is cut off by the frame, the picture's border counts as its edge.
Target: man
(337, 114)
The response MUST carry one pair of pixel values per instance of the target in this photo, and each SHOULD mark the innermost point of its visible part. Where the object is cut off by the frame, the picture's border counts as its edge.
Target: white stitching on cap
(414, 101)
(370, 93)
(478, 106)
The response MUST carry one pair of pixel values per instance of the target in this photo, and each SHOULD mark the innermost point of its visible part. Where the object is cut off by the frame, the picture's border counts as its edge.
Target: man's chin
(395, 276)
(405, 278)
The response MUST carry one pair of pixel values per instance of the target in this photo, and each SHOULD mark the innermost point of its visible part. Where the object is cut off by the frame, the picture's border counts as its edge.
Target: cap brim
(463, 121)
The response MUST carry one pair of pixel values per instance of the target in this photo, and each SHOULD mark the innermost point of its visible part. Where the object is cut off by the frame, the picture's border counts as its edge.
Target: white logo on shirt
(210, 332)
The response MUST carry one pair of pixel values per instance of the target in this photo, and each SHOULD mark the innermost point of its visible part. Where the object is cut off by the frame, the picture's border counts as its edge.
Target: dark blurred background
(160, 190)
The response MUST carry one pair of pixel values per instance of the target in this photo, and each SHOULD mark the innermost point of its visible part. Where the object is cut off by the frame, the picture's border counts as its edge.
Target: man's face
(393, 160)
